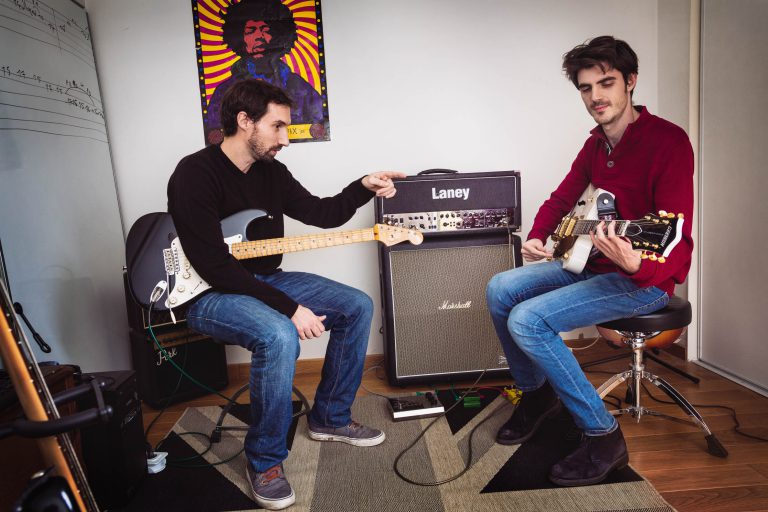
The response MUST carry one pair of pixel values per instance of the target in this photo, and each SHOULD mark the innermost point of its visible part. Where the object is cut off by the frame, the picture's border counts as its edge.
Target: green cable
(179, 368)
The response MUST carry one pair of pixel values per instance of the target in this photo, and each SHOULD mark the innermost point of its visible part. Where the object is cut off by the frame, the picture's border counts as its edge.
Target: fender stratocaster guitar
(654, 235)
(154, 252)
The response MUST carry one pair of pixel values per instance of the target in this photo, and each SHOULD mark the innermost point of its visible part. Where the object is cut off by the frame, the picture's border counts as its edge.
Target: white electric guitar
(154, 253)
(654, 235)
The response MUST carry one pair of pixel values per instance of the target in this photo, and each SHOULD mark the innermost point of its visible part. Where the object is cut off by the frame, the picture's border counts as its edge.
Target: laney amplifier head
(437, 202)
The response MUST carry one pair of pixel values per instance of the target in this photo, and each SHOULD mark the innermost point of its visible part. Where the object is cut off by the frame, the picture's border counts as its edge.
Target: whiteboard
(59, 217)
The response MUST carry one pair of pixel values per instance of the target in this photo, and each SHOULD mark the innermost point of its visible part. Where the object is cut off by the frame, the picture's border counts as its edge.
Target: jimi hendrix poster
(280, 42)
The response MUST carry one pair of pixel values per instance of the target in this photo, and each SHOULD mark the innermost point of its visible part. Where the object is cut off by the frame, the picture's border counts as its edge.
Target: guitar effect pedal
(414, 407)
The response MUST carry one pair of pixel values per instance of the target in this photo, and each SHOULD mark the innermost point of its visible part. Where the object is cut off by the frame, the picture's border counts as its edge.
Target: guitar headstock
(656, 235)
(391, 235)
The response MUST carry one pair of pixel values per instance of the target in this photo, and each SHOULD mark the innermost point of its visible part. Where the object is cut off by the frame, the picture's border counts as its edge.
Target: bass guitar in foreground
(154, 253)
(654, 235)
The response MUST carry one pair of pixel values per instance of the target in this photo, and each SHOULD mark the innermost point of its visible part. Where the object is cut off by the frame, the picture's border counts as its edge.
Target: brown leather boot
(534, 407)
(592, 461)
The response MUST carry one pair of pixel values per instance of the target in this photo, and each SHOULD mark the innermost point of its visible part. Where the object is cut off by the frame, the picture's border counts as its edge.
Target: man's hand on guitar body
(616, 248)
(534, 250)
(307, 323)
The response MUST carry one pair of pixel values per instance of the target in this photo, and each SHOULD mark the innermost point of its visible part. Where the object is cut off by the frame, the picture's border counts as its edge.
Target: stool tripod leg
(714, 446)
(216, 434)
(611, 383)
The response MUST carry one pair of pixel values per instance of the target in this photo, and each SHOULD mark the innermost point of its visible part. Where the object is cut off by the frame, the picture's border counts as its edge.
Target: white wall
(473, 86)
(733, 183)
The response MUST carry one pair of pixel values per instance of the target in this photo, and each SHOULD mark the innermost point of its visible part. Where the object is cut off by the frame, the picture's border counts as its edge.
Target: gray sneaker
(354, 434)
(270, 489)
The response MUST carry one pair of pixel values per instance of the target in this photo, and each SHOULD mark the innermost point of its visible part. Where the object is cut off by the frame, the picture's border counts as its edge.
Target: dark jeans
(274, 343)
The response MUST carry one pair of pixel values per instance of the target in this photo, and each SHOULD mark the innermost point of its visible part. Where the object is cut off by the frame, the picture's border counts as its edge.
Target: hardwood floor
(671, 455)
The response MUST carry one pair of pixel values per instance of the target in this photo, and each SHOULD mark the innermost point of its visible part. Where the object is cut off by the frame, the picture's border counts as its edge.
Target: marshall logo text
(455, 305)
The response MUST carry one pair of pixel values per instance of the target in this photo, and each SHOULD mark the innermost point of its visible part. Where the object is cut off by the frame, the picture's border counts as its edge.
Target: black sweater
(206, 187)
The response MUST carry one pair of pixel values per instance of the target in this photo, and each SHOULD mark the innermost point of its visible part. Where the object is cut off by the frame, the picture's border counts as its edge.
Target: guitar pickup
(171, 262)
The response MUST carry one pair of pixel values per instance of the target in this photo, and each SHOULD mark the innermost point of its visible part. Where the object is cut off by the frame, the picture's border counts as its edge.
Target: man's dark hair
(251, 96)
(282, 27)
(603, 51)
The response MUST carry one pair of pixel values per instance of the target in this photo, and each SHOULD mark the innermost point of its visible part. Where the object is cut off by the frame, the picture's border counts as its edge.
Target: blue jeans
(274, 342)
(531, 305)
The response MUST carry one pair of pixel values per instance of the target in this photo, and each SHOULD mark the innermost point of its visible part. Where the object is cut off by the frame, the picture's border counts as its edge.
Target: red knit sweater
(650, 169)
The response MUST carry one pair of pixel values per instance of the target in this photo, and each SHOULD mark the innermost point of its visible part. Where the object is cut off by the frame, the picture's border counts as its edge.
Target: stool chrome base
(635, 375)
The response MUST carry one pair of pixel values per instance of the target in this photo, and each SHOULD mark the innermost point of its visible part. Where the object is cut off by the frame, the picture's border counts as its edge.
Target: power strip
(415, 407)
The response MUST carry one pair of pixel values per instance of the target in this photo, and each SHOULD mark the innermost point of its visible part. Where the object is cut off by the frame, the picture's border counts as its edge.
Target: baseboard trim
(239, 372)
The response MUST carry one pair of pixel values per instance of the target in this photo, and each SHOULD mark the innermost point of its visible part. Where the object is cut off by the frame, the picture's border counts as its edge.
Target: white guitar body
(187, 283)
(594, 204)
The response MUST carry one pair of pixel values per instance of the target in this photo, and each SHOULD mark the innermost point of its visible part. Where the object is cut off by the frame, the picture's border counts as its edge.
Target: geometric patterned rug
(335, 477)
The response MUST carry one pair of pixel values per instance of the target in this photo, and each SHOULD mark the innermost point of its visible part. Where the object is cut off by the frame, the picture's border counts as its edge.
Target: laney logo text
(450, 193)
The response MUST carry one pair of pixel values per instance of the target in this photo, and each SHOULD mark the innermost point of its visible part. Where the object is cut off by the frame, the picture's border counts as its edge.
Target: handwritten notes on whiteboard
(59, 219)
(48, 80)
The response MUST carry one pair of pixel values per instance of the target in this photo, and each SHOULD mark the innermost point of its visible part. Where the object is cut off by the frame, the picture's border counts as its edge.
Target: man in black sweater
(253, 303)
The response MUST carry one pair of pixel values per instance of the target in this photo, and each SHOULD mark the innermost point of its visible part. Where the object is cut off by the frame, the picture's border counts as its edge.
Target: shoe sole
(371, 441)
(271, 504)
(550, 413)
(619, 464)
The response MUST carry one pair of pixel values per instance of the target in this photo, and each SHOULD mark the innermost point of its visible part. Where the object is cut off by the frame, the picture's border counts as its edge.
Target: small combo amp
(114, 454)
(159, 382)
(436, 321)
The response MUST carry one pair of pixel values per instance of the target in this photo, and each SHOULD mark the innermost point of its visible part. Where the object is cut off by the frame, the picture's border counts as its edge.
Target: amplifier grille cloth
(441, 318)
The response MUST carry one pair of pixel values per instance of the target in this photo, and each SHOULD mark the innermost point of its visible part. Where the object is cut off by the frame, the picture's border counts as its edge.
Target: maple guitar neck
(272, 246)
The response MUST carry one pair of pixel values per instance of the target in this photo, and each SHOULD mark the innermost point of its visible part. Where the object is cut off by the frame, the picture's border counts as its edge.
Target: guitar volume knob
(181, 288)
(185, 275)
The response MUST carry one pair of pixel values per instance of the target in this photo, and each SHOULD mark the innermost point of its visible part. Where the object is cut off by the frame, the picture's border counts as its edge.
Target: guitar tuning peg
(655, 221)
(646, 244)
(635, 243)
(655, 246)
(665, 221)
(661, 259)
(647, 217)
(662, 213)
(670, 215)
(643, 256)
(653, 257)
(679, 215)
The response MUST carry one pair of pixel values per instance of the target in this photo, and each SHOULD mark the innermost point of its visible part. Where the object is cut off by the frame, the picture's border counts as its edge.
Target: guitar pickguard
(187, 283)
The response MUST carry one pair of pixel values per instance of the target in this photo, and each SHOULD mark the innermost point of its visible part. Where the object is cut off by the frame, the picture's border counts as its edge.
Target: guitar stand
(37, 429)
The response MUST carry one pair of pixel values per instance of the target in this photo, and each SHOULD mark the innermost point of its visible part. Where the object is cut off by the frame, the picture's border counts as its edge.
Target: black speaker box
(114, 454)
(436, 321)
(160, 383)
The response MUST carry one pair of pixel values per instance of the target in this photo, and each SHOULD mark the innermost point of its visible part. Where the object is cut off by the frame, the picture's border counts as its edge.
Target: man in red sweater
(647, 163)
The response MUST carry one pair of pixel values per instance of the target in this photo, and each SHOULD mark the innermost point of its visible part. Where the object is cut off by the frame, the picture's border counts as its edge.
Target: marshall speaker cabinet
(436, 321)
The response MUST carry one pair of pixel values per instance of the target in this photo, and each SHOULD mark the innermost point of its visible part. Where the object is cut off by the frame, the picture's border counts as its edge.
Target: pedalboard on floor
(415, 407)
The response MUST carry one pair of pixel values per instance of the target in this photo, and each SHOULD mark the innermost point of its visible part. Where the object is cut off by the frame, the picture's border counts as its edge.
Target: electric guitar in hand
(655, 234)
(154, 252)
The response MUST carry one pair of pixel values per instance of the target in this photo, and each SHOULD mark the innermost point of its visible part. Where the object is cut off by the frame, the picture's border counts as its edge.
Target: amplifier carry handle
(438, 171)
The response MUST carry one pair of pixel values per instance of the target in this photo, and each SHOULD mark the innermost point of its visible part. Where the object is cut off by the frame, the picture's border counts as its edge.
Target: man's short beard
(258, 151)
